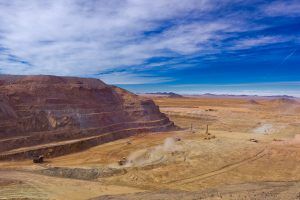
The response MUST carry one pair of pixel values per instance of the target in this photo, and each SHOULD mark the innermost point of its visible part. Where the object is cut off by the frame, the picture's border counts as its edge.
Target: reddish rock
(41, 109)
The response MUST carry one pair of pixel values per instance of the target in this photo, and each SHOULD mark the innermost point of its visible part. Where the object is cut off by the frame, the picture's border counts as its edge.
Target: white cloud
(87, 37)
(129, 78)
(283, 8)
(83, 38)
(259, 41)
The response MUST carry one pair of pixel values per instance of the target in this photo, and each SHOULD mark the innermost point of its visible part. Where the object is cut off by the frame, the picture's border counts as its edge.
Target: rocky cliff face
(42, 109)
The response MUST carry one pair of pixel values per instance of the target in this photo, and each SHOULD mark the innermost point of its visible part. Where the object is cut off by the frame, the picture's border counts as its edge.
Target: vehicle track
(221, 170)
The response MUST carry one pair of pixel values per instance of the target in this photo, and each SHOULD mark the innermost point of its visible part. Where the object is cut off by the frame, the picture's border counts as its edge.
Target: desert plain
(224, 148)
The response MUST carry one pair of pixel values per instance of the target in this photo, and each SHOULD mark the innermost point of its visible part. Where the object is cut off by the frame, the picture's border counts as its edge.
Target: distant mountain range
(175, 95)
(168, 94)
(232, 95)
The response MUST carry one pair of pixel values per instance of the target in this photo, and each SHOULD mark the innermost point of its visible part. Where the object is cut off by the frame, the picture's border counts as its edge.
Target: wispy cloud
(283, 8)
(132, 78)
(247, 43)
(87, 38)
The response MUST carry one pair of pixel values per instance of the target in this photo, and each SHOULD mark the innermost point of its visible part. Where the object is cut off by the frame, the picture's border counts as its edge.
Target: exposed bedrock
(36, 110)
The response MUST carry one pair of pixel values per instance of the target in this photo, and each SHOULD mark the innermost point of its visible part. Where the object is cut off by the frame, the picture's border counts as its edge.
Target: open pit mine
(53, 116)
(77, 138)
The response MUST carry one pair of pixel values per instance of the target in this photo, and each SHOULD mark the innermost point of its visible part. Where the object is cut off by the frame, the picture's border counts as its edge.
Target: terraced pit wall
(39, 110)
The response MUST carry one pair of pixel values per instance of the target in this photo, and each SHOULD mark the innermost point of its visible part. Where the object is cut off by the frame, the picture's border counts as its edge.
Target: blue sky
(185, 46)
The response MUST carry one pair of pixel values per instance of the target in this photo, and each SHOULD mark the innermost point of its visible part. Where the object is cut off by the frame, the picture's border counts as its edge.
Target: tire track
(221, 170)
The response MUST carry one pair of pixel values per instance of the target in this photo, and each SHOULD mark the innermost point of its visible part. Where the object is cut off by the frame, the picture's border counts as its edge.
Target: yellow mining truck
(123, 161)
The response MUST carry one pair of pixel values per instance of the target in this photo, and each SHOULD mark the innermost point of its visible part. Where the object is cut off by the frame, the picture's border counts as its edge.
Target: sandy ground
(185, 164)
(34, 186)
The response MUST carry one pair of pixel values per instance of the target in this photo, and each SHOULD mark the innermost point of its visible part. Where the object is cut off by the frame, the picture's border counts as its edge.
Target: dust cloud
(153, 155)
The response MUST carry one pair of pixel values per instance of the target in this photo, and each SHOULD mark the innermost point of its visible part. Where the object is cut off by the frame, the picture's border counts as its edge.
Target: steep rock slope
(37, 110)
